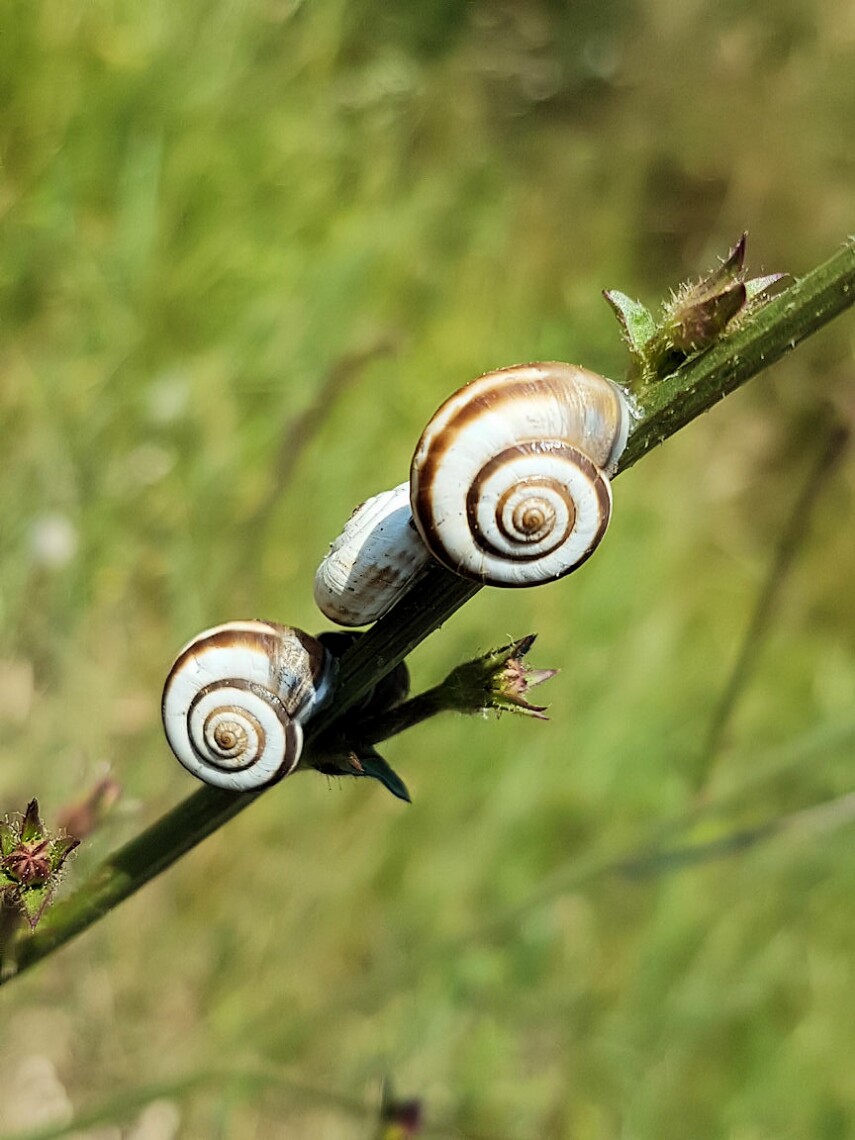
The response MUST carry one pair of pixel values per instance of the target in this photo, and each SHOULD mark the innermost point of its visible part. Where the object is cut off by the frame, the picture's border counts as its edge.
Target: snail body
(509, 486)
(236, 698)
(372, 562)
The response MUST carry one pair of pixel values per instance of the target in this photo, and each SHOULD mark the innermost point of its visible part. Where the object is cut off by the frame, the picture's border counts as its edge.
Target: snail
(509, 483)
(373, 561)
(509, 486)
(236, 698)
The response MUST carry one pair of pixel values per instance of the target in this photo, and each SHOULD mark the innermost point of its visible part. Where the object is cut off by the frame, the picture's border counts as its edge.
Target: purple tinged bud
(31, 860)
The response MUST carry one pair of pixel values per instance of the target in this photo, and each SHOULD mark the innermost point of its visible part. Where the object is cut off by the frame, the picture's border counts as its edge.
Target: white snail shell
(372, 562)
(236, 698)
(509, 483)
(509, 486)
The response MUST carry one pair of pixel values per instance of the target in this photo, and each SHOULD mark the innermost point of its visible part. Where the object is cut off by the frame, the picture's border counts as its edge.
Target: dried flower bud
(31, 860)
(497, 680)
(697, 314)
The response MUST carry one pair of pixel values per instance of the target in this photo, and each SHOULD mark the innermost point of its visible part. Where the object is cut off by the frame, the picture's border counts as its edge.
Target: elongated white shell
(509, 480)
(372, 562)
(236, 698)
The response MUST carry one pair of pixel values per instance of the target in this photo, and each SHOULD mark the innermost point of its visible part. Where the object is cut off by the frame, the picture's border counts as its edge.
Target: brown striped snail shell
(509, 482)
(373, 561)
(509, 486)
(236, 698)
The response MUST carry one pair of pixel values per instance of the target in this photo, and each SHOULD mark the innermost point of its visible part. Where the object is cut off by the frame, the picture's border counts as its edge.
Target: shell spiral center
(226, 725)
(234, 735)
(536, 504)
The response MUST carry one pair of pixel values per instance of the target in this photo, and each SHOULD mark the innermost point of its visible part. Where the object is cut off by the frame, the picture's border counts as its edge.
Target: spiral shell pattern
(509, 482)
(236, 698)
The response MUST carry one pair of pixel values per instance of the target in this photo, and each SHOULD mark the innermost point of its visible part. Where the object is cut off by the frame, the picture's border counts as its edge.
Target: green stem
(796, 530)
(407, 715)
(771, 332)
(665, 408)
(11, 922)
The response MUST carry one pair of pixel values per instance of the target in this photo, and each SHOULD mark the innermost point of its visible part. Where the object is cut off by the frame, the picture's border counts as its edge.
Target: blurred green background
(209, 212)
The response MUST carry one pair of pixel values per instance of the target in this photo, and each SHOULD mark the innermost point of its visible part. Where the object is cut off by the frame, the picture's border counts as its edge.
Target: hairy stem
(665, 407)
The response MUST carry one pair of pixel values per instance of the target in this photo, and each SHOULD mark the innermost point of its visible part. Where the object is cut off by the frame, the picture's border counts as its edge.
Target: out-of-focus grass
(204, 207)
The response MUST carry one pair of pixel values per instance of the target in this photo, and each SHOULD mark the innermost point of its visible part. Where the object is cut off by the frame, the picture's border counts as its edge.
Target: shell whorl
(509, 482)
(372, 562)
(235, 700)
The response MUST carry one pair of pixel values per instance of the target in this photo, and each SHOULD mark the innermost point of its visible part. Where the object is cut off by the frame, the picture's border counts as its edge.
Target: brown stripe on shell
(586, 391)
(474, 494)
(546, 528)
(521, 381)
(229, 637)
(604, 502)
(271, 698)
(466, 414)
(266, 695)
(226, 751)
(269, 637)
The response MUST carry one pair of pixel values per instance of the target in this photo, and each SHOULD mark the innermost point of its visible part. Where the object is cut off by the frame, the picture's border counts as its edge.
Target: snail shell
(372, 562)
(509, 482)
(236, 698)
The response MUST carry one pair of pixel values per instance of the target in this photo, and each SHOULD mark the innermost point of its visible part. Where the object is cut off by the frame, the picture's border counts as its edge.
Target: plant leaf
(635, 320)
(375, 766)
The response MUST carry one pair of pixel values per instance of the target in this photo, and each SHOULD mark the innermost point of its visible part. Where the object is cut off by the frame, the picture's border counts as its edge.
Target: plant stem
(767, 335)
(796, 530)
(396, 720)
(665, 407)
(11, 921)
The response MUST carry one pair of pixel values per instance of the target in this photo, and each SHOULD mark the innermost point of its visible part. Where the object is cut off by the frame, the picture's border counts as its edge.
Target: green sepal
(60, 849)
(8, 838)
(33, 902)
(636, 322)
(377, 768)
(32, 828)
